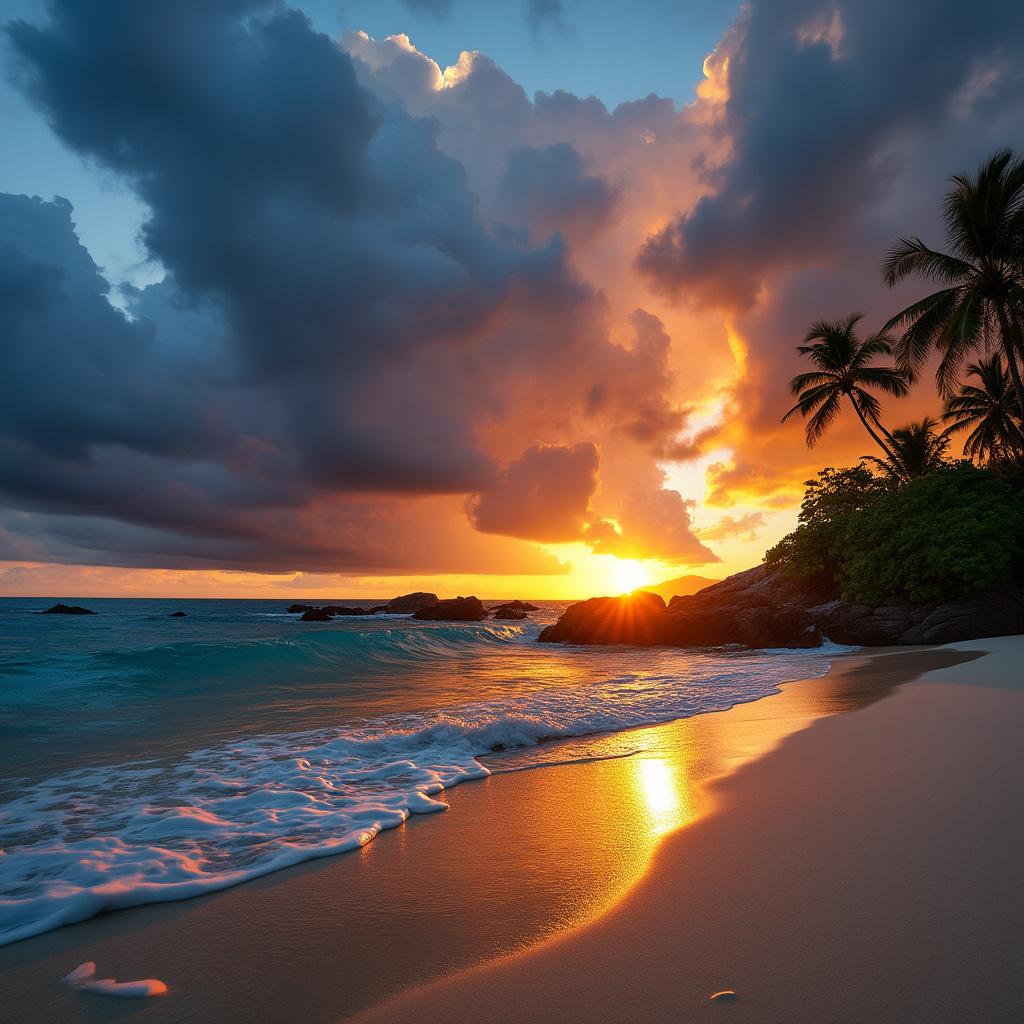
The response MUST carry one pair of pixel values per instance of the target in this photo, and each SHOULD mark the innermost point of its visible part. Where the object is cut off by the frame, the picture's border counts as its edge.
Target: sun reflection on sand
(664, 793)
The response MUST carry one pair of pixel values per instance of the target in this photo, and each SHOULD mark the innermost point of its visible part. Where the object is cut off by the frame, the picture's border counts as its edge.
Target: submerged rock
(295, 609)
(455, 609)
(410, 603)
(508, 612)
(177, 615)
(67, 609)
(316, 615)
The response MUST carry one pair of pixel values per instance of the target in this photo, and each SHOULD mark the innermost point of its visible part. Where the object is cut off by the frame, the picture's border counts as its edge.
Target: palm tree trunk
(1011, 345)
(867, 426)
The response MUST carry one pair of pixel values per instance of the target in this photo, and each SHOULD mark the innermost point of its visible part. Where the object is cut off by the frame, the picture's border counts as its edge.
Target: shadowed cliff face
(762, 608)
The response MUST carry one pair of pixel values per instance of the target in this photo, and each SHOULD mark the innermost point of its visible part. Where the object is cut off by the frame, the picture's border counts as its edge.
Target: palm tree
(982, 277)
(916, 449)
(989, 409)
(844, 369)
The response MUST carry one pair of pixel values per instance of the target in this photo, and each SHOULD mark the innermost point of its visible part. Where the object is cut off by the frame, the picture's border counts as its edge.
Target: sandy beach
(867, 870)
(761, 849)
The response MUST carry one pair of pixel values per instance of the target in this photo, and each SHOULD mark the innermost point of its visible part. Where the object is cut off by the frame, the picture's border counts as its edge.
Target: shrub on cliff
(939, 537)
(831, 501)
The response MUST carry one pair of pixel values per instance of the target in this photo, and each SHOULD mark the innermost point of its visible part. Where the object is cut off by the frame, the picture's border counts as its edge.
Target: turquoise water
(147, 758)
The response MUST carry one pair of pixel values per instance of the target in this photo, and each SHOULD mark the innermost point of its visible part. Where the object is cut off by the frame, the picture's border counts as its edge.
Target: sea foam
(101, 838)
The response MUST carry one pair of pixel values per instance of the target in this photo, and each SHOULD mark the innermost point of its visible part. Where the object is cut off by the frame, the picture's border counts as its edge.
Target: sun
(627, 574)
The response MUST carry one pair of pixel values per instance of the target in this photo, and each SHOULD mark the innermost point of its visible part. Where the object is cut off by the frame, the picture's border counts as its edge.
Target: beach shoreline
(456, 895)
(865, 870)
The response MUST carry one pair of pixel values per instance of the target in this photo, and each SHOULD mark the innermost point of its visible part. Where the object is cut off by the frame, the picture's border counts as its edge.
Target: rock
(177, 615)
(341, 609)
(513, 610)
(67, 609)
(455, 609)
(519, 606)
(377, 609)
(639, 618)
(508, 612)
(762, 608)
(410, 603)
(996, 611)
(295, 609)
(317, 615)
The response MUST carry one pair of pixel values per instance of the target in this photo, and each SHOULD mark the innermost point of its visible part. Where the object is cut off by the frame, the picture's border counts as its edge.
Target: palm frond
(910, 256)
(819, 423)
(802, 381)
(892, 381)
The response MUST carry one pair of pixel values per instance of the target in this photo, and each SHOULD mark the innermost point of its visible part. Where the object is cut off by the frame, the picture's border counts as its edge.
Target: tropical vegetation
(988, 410)
(843, 369)
(912, 521)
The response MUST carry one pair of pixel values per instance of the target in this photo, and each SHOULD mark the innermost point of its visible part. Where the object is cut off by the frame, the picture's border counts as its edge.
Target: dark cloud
(821, 98)
(546, 16)
(841, 130)
(386, 282)
(326, 335)
(332, 230)
(543, 495)
(548, 189)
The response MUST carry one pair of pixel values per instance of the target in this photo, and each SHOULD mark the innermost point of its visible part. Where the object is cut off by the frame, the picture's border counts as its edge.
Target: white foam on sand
(83, 979)
(116, 836)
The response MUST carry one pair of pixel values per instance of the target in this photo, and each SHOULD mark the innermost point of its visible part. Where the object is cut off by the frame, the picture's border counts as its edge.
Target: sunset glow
(455, 456)
(628, 574)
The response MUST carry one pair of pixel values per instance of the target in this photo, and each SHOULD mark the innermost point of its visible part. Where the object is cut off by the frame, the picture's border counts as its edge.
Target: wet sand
(525, 873)
(868, 870)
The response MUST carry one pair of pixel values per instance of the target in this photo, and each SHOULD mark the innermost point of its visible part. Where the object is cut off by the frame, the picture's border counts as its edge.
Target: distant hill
(679, 587)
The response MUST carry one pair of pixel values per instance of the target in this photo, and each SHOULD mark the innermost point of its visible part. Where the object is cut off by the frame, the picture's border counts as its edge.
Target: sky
(348, 299)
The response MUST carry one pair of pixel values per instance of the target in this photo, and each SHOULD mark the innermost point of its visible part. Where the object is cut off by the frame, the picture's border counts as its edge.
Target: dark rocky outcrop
(762, 608)
(506, 613)
(519, 606)
(455, 609)
(296, 609)
(410, 603)
(998, 611)
(177, 615)
(67, 609)
(317, 615)
(313, 613)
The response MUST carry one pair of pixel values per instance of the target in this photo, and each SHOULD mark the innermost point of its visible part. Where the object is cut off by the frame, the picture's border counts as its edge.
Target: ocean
(146, 758)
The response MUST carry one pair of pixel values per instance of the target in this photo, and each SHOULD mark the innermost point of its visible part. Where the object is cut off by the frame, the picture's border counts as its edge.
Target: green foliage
(941, 536)
(830, 502)
(937, 537)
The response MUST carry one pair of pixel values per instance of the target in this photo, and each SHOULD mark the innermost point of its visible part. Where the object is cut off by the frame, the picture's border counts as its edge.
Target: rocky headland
(763, 607)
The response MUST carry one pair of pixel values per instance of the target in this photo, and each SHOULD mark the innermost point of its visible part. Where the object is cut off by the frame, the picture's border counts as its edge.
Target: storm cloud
(409, 312)
(337, 326)
(543, 495)
(822, 97)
